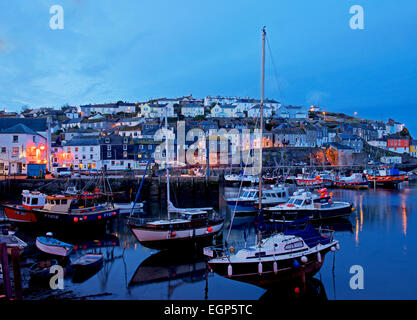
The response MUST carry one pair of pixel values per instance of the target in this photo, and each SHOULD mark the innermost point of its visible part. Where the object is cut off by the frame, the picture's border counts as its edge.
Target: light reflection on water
(379, 236)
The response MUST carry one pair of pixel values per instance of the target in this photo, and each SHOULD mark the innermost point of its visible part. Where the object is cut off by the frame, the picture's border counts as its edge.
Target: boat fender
(304, 259)
(275, 267)
(173, 233)
(333, 248)
(296, 264)
(337, 246)
(319, 257)
(229, 270)
(260, 267)
(210, 229)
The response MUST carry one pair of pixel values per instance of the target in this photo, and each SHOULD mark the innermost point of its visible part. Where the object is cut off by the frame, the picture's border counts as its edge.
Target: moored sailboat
(181, 226)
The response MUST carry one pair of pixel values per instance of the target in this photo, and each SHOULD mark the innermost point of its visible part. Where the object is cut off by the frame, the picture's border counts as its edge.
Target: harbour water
(380, 236)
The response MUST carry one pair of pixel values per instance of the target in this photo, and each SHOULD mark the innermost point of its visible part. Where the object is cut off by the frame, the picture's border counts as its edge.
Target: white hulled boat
(181, 226)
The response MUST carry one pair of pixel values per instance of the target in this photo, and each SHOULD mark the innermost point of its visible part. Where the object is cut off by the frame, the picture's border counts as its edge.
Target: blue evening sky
(137, 50)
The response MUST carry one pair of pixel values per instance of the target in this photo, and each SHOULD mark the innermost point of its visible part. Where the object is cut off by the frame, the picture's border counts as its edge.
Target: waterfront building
(154, 110)
(353, 141)
(84, 153)
(20, 147)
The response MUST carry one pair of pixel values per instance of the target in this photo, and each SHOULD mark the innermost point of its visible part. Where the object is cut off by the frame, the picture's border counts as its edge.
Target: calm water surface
(380, 236)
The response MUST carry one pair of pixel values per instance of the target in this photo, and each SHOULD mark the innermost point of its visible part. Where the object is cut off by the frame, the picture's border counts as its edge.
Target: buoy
(296, 264)
(260, 267)
(319, 257)
(229, 270)
(275, 267)
(210, 229)
(173, 233)
(75, 219)
(49, 234)
(304, 259)
(297, 290)
(337, 246)
(333, 248)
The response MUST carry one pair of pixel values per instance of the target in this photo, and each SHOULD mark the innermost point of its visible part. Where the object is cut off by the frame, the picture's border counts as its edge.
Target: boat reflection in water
(312, 291)
(165, 266)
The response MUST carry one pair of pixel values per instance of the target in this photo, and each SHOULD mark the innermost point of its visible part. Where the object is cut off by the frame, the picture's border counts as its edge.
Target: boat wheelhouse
(247, 202)
(306, 204)
(24, 212)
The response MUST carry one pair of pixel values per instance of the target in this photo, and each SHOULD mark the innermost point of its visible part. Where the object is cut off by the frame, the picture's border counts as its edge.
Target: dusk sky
(137, 50)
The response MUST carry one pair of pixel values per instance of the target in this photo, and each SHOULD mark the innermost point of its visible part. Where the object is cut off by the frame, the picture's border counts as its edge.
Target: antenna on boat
(262, 127)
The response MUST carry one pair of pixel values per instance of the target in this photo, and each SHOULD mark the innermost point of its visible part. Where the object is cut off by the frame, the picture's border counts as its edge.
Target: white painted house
(151, 110)
(20, 146)
(192, 110)
(85, 153)
(227, 111)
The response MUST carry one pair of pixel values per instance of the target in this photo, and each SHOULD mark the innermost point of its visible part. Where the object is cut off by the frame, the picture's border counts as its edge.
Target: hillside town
(120, 136)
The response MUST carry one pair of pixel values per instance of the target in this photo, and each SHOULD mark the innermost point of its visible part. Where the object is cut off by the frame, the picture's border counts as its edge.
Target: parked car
(63, 172)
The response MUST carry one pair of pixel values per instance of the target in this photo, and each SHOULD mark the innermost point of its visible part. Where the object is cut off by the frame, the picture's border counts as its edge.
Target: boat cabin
(58, 203)
(182, 220)
(33, 199)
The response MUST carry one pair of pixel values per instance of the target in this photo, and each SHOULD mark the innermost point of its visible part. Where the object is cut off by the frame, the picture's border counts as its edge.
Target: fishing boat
(247, 201)
(53, 246)
(240, 178)
(354, 181)
(304, 204)
(385, 177)
(127, 207)
(24, 212)
(88, 261)
(71, 211)
(12, 242)
(307, 180)
(181, 226)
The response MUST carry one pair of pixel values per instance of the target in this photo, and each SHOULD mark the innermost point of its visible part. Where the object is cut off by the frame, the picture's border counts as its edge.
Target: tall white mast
(262, 131)
(262, 118)
(167, 158)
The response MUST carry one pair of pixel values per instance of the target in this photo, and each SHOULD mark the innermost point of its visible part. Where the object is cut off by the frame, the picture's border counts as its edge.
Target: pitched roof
(18, 128)
(82, 142)
(36, 124)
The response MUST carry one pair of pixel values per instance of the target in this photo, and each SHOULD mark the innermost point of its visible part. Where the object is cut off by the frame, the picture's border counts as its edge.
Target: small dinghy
(40, 272)
(86, 266)
(53, 246)
(88, 261)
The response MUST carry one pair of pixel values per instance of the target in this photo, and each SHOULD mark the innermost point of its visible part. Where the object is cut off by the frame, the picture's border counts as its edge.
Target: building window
(83, 156)
(91, 149)
(125, 147)
(3, 149)
(76, 149)
(15, 151)
(149, 147)
(108, 154)
(109, 148)
(15, 139)
(107, 140)
(91, 156)
(112, 163)
(124, 154)
(34, 139)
